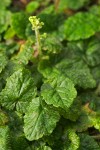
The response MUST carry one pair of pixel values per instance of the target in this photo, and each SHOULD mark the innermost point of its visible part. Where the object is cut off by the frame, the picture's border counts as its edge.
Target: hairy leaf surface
(73, 141)
(19, 23)
(88, 143)
(18, 91)
(3, 61)
(39, 120)
(5, 18)
(59, 92)
(5, 138)
(78, 72)
(80, 26)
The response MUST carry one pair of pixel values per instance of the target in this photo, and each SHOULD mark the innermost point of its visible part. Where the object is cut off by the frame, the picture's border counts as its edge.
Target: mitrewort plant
(50, 102)
(36, 25)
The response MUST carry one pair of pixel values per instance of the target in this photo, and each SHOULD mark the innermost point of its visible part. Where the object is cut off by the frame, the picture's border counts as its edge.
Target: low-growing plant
(50, 77)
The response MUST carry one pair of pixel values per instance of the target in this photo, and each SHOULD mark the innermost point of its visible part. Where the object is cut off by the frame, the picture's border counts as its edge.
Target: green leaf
(59, 91)
(51, 45)
(39, 145)
(96, 120)
(10, 68)
(19, 23)
(71, 139)
(48, 10)
(95, 9)
(73, 112)
(46, 69)
(5, 18)
(77, 71)
(71, 4)
(76, 49)
(3, 118)
(83, 122)
(87, 143)
(88, 118)
(3, 61)
(44, 148)
(5, 143)
(92, 52)
(51, 21)
(92, 99)
(32, 6)
(9, 33)
(19, 142)
(25, 53)
(39, 120)
(96, 73)
(19, 90)
(4, 3)
(80, 26)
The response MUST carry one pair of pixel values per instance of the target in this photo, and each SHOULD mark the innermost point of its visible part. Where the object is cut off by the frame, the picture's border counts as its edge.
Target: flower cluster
(36, 24)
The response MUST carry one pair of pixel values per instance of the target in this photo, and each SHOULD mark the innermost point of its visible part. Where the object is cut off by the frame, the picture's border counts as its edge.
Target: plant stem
(38, 41)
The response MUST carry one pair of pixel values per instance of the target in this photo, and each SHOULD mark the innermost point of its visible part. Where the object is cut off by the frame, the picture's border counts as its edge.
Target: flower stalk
(36, 25)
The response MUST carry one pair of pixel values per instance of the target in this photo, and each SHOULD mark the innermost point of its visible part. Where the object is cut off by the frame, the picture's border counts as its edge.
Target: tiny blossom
(36, 24)
(44, 35)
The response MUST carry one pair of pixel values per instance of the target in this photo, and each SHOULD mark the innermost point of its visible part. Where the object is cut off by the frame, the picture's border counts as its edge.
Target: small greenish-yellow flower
(36, 24)
(44, 35)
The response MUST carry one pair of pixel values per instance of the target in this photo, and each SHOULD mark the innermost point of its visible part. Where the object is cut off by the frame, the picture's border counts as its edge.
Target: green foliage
(25, 53)
(88, 143)
(61, 92)
(95, 9)
(4, 4)
(44, 148)
(18, 91)
(32, 6)
(78, 72)
(19, 23)
(67, 4)
(73, 138)
(3, 118)
(3, 61)
(5, 143)
(50, 77)
(5, 19)
(80, 26)
(92, 52)
(39, 120)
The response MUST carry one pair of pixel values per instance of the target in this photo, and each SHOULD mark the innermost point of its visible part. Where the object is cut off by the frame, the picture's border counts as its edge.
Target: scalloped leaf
(32, 6)
(5, 18)
(4, 3)
(44, 148)
(39, 120)
(73, 112)
(25, 53)
(3, 61)
(78, 72)
(88, 143)
(19, 90)
(5, 143)
(92, 52)
(80, 26)
(59, 91)
(19, 23)
(83, 122)
(19, 142)
(71, 140)
(71, 4)
(95, 9)
(52, 45)
(3, 118)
